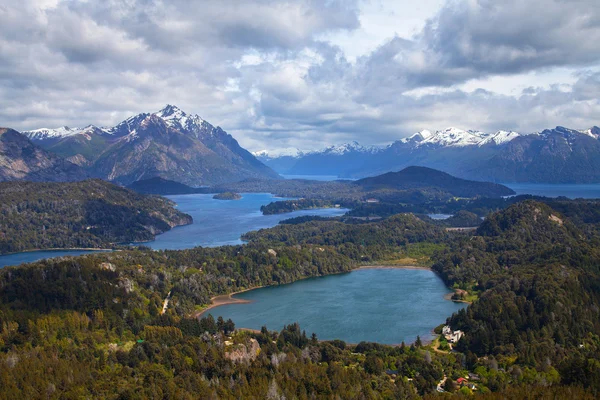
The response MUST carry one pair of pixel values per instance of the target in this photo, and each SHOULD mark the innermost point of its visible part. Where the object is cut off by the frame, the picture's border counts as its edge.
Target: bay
(32, 256)
(222, 222)
(572, 191)
(379, 305)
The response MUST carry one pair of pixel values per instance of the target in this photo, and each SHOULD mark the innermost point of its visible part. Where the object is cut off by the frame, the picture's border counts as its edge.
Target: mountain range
(558, 155)
(170, 144)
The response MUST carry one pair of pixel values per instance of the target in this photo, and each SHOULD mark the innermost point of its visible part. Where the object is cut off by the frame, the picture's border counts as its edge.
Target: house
(455, 337)
(462, 381)
(473, 377)
(452, 337)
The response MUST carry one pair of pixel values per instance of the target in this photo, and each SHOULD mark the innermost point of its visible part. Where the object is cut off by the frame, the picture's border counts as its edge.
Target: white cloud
(305, 73)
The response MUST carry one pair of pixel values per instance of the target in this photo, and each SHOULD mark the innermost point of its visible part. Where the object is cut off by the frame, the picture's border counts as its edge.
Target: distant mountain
(422, 177)
(169, 143)
(333, 160)
(20, 159)
(558, 155)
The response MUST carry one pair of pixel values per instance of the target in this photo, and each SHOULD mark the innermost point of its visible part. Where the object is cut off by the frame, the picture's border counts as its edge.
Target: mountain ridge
(558, 155)
(168, 143)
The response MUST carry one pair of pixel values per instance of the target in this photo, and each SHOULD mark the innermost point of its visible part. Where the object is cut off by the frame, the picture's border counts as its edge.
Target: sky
(304, 74)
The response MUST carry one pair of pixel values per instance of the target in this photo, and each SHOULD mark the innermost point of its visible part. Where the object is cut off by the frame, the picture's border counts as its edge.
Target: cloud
(265, 71)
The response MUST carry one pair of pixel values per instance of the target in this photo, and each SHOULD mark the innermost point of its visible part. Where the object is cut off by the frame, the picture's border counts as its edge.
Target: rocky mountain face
(20, 159)
(169, 144)
(558, 155)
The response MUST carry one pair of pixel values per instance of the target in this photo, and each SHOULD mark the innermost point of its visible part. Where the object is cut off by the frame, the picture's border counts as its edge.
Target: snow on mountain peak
(350, 147)
(178, 119)
(500, 137)
(456, 137)
(58, 133)
(594, 132)
(286, 152)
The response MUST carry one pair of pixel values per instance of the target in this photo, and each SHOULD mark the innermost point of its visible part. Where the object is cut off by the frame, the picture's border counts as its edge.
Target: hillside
(169, 143)
(20, 159)
(557, 155)
(87, 214)
(158, 185)
(422, 177)
(536, 275)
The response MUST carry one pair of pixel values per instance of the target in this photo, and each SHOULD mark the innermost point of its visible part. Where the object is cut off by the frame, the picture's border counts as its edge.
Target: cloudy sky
(308, 73)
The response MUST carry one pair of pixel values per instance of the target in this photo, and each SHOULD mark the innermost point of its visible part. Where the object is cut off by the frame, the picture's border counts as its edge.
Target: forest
(87, 214)
(93, 326)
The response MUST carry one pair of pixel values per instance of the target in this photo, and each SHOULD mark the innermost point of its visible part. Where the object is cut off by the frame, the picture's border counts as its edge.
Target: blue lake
(216, 223)
(222, 222)
(572, 191)
(439, 216)
(31, 256)
(313, 177)
(381, 305)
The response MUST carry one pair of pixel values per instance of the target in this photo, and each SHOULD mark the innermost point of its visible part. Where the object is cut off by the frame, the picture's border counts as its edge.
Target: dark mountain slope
(20, 159)
(558, 155)
(422, 177)
(161, 186)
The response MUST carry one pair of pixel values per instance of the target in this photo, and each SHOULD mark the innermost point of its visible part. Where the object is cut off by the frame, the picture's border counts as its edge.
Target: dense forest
(87, 214)
(94, 326)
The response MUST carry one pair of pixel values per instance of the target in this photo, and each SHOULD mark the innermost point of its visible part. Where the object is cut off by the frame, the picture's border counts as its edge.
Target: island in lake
(227, 196)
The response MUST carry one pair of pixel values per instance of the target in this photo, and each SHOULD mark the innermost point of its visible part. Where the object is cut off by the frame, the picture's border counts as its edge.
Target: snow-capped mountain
(552, 155)
(62, 132)
(168, 143)
(346, 148)
(455, 137)
(286, 152)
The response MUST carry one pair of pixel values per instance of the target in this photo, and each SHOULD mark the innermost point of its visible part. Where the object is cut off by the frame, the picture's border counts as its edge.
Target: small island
(227, 196)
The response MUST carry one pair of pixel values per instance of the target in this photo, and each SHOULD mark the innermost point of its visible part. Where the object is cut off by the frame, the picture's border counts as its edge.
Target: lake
(222, 222)
(31, 256)
(572, 191)
(216, 223)
(439, 216)
(313, 177)
(380, 305)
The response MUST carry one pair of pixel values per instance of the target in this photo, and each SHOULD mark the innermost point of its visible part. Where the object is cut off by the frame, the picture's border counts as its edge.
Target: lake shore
(224, 299)
(391, 267)
(449, 297)
(58, 249)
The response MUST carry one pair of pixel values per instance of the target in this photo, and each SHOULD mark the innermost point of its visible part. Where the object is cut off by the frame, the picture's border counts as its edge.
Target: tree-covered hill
(87, 214)
(538, 280)
(158, 185)
(422, 177)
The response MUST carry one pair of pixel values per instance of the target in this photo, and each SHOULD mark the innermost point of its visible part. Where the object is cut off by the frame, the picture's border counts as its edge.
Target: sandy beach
(224, 299)
(391, 267)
